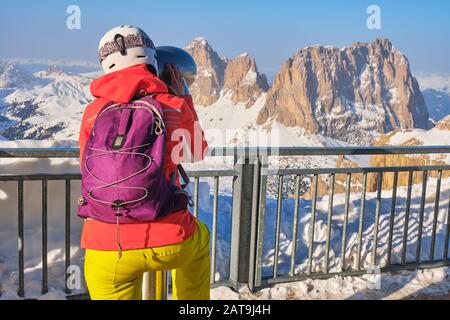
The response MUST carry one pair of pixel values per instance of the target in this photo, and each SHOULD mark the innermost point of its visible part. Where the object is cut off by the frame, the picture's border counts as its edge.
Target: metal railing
(250, 175)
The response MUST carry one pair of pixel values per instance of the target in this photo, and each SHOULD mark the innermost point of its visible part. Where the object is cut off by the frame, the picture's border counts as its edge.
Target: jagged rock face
(340, 180)
(444, 124)
(403, 177)
(244, 80)
(352, 94)
(210, 72)
(240, 76)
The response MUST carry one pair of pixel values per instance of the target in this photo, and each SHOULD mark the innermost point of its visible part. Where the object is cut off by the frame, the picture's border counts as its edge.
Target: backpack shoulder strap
(184, 176)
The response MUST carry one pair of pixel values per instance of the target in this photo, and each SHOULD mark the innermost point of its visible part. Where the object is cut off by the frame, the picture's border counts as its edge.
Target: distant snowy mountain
(436, 91)
(322, 96)
(234, 124)
(44, 105)
(31, 65)
(438, 103)
(229, 95)
(351, 94)
(50, 62)
(12, 76)
(436, 82)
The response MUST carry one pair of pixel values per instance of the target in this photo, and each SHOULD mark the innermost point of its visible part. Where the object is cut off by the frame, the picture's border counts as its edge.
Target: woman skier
(118, 254)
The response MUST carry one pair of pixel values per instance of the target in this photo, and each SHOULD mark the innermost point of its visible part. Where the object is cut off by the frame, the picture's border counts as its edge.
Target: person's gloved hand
(176, 83)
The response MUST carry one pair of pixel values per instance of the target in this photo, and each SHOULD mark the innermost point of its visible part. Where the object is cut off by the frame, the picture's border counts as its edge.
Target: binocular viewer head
(183, 60)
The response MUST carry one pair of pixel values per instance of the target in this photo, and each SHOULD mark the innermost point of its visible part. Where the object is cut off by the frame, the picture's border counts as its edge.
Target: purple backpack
(122, 168)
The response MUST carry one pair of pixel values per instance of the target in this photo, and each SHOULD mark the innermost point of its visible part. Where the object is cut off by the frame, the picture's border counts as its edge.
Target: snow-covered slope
(234, 124)
(439, 135)
(49, 105)
(45, 105)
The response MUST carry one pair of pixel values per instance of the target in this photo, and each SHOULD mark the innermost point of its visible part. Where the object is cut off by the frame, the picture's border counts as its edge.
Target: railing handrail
(243, 151)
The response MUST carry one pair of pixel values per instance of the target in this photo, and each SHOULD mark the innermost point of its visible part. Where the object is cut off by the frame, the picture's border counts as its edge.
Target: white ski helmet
(126, 46)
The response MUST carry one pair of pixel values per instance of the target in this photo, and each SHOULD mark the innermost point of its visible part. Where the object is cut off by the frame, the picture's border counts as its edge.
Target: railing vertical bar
(436, 214)
(312, 227)
(253, 264)
(261, 221)
(377, 218)
(44, 237)
(295, 224)
(67, 234)
(20, 197)
(361, 220)
(161, 285)
(391, 218)
(344, 229)
(407, 213)
(447, 233)
(421, 215)
(196, 186)
(278, 225)
(214, 229)
(329, 222)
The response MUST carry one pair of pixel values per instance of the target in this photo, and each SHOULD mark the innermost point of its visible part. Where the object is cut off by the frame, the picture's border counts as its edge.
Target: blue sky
(271, 31)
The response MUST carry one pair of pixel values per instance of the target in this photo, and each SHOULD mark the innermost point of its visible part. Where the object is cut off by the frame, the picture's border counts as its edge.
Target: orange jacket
(184, 140)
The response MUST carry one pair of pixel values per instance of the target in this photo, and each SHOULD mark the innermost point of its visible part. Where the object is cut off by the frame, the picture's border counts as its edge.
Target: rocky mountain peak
(210, 72)
(244, 80)
(352, 94)
(216, 74)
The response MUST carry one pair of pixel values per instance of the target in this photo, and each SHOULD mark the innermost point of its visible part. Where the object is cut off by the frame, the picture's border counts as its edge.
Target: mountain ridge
(233, 85)
(366, 86)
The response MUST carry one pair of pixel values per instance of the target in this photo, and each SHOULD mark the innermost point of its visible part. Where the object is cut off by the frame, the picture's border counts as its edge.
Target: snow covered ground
(420, 284)
(350, 287)
(321, 229)
(230, 124)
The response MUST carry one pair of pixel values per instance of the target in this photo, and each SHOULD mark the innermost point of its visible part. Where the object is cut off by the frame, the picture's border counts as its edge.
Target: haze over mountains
(320, 96)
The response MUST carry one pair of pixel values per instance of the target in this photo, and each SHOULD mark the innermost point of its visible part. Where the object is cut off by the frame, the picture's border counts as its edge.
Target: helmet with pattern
(126, 46)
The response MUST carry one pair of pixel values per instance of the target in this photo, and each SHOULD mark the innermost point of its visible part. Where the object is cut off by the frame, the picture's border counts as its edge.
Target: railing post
(154, 286)
(149, 286)
(241, 229)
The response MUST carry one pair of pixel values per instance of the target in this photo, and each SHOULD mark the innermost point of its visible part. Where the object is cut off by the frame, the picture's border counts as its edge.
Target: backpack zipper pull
(159, 130)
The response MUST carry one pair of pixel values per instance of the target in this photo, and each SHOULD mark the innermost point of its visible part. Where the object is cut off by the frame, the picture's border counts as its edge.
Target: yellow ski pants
(109, 277)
